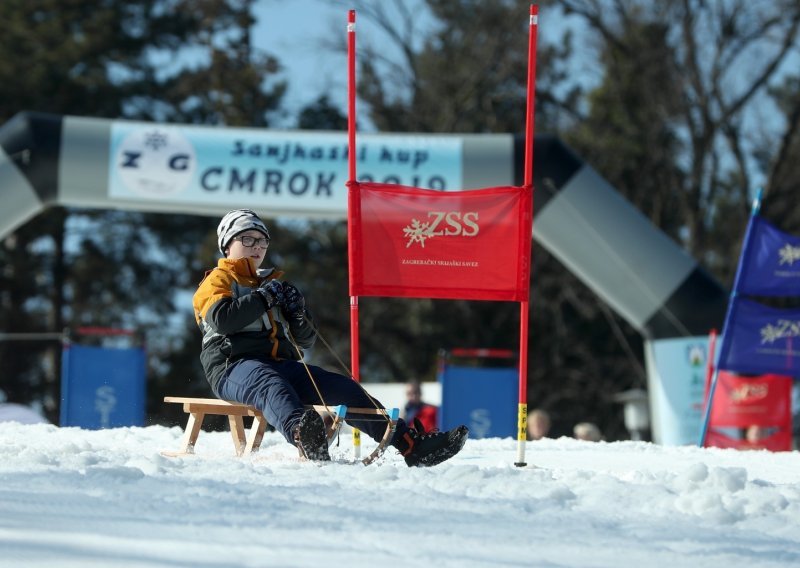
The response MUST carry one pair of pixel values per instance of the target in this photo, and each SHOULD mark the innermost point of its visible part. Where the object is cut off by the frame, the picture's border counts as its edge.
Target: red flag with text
(746, 402)
(421, 243)
(764, 400)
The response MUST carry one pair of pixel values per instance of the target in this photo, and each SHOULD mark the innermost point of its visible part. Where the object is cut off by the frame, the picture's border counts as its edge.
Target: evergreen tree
(171, 61)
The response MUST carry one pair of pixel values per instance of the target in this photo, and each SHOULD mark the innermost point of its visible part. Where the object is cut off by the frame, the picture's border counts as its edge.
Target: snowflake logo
(417, 233)
(155, 140)
(784, 328)
(789, 254)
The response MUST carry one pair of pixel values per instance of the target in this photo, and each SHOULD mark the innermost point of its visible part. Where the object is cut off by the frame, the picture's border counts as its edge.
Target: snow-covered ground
(71, 497)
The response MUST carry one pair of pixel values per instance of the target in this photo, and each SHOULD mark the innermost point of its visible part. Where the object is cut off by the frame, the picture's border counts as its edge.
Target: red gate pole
(711, 364)
(351, 164)
(522, 415)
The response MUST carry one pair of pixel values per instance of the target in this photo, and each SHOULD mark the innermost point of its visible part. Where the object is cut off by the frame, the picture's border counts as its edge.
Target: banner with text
(269, 169)
(761, 406)
(763, 400)
(411, 242)
(676, 378)
(773, 264)
(761, 339)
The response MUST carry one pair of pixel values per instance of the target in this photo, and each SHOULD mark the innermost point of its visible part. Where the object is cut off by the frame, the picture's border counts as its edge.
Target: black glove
(293, 302)
(272, 293)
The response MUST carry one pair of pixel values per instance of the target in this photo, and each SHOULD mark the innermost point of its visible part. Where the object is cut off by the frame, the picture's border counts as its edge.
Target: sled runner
(250, 442)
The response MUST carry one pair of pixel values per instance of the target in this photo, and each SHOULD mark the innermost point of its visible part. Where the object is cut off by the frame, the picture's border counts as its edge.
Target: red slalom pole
(530, 106)
(522, 412)
(351, 94)
(712, 345)
(351, 169)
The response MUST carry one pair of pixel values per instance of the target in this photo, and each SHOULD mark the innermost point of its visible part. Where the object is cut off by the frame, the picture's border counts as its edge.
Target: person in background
(255, 326)
(755, 433)
(417, 409)
(587, 431)
(538, 424)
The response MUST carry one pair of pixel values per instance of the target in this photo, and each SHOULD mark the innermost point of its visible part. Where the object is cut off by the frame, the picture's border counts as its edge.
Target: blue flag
(773, 264)
(760, 340)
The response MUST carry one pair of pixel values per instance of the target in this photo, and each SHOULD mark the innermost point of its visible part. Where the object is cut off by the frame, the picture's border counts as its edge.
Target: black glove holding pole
(293, 304)
(272, 293)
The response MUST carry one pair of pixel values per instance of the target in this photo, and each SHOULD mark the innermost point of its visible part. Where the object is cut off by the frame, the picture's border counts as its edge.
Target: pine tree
(170, 61)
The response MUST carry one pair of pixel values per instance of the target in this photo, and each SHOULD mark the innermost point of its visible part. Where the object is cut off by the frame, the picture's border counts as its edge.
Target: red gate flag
(742, 402)
(764, 400)
(421, 243)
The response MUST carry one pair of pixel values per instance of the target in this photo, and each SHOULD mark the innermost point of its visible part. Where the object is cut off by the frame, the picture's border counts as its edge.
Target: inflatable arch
(113, 164)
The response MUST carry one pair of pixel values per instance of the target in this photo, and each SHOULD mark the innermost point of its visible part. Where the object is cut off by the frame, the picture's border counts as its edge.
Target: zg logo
(155, 162)
(442, 224)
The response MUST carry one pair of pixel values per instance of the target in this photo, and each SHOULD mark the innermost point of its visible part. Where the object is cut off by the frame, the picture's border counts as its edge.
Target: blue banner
(102, 388)
(485, 399)
(773, 264)
(760, 340)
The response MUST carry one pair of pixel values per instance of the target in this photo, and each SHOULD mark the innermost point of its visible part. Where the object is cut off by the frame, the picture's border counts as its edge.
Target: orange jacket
(235, 322)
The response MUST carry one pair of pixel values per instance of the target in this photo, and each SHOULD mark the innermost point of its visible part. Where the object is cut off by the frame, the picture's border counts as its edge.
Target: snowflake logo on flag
(782, 329)
(789, 254)
(418, 232)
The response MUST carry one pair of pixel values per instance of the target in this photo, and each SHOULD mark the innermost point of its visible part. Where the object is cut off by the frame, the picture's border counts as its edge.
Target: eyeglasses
(263, 242)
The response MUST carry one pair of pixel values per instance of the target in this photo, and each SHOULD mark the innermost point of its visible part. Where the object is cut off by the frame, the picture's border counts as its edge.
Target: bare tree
(728, 53)
(782, 157)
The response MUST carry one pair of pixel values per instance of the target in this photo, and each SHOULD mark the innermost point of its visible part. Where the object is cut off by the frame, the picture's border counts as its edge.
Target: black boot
(425, 449)
(310, 438)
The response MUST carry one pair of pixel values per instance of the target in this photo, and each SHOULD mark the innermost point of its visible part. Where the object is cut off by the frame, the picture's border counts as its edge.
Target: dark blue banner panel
(102, 388)
(485, 399)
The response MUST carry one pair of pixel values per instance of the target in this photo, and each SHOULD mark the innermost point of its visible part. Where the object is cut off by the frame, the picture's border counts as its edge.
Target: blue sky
(300, 33)
(296, 32)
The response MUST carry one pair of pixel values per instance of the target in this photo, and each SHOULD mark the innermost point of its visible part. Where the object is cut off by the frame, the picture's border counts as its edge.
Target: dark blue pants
(279, 389)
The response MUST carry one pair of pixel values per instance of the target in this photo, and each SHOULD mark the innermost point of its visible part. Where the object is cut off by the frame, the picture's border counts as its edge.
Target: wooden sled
(250, 442)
